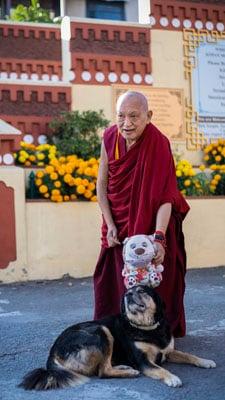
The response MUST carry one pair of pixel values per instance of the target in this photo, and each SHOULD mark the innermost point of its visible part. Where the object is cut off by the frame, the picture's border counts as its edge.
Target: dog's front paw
(206, 363)
(173, 381)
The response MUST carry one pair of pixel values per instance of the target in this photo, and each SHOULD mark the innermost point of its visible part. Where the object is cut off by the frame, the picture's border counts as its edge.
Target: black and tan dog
(123, 346)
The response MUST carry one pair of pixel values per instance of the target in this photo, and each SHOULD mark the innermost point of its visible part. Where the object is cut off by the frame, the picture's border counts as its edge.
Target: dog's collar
(144, 327)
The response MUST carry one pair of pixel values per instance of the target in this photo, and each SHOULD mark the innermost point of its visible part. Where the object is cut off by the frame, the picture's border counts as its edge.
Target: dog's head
(142, 307)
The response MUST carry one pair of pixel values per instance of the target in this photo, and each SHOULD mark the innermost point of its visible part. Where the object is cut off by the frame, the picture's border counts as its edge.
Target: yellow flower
(27, 163)
(217, 177)
(80, 171)
(46, 195)
(40, 174)
(80, 189)
(68, 169)
(67, 178)
(187, 182)
(202, 167)
(183, 191)
(214, 182)
(88, 171)
(206, 158)
(78, 181)
(88, 194)
(213, 167)
(43, 189)
(32, 158)
(94, 198)
(40, 164)
(49, 169)
(214, 152)
(62, 159)
(57, 184)
(54, 176)
(40, 156)
(66, 198)
(22, 160)
(218, 158)
(178, 173)
(55, 192)
(73, 197)
(91, 186)
(38, 182)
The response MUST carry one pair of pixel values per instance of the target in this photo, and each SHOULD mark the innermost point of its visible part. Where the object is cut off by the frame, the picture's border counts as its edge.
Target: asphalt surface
(33, 314)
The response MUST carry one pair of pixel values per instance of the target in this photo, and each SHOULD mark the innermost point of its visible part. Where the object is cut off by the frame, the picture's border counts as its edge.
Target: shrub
(34, 155)
(68, 178)
(190, 183)
(33, 13)
(215, 153)
(77, 133)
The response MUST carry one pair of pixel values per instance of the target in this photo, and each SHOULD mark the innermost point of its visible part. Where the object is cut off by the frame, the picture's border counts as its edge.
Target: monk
(137, 193)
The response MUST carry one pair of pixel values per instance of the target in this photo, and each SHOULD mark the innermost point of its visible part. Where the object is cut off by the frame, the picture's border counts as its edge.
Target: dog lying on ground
(136, 341)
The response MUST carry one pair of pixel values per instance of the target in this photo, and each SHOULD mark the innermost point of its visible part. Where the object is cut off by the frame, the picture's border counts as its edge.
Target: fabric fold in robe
(141, 180)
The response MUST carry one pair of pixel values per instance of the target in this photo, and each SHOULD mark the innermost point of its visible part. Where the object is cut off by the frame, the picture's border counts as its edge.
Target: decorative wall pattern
(31, 107)
(106, 54)
(178, 14)
(35, 52)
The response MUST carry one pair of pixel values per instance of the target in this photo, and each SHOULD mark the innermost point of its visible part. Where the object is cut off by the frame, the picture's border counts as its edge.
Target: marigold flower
(91, 186)
(217, 177)
(94, 198)
(32, 158)
(54, 176)
(40, 174)
(218, 158)
(66, 198)
(78, 181)
(178, 173)
(202, 167)
(80, 189)
(49, 169)
(73, 197)
(187, 182)
(88, 194)
(43, 189)
(57, 184)
(38, 182)
(206, 158)
(214, 182)
(40, 156)
(55, 192)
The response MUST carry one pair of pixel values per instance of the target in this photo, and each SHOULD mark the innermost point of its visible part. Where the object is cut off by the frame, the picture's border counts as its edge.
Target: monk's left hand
(160, 254)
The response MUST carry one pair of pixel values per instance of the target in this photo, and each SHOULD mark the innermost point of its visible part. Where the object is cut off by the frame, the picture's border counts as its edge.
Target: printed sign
(208, 88)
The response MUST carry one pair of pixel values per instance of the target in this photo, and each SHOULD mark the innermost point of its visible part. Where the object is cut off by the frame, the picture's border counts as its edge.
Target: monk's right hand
(112, 236)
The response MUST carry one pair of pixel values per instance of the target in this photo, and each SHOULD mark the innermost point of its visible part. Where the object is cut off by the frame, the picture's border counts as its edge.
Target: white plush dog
(138, 253)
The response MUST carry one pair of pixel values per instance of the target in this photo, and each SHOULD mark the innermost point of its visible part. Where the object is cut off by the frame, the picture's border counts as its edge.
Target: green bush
(33, 13)
(76, 132)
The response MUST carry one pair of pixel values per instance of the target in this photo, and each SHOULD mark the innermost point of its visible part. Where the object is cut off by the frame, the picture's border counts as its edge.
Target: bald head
(133, 97)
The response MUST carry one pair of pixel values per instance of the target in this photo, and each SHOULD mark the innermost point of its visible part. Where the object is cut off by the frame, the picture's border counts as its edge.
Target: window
(106, 10)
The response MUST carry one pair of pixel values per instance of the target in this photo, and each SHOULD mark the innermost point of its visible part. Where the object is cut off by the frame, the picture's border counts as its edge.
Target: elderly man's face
(131, 119)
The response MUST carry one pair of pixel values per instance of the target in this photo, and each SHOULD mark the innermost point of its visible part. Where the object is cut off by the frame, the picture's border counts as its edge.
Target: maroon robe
(139, 182)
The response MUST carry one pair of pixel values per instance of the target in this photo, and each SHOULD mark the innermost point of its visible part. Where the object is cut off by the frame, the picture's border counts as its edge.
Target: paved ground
(33, 314)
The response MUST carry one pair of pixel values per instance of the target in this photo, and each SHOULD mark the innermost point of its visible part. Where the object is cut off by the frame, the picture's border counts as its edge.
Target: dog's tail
(51, 378)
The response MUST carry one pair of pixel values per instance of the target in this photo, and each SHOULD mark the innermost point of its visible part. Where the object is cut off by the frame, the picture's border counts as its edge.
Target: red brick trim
(176, 11)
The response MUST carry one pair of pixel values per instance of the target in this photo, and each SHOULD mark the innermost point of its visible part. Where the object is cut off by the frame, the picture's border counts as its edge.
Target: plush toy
(138, 253)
